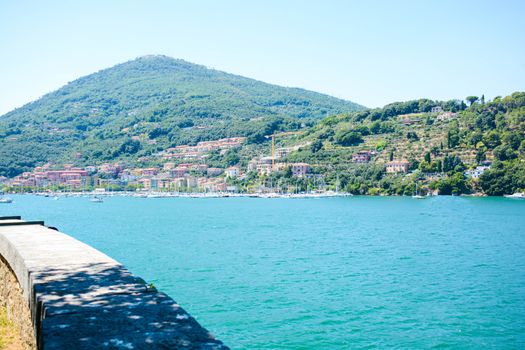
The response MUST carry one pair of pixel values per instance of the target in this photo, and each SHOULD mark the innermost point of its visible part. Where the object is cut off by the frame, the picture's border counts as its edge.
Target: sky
(371, 52)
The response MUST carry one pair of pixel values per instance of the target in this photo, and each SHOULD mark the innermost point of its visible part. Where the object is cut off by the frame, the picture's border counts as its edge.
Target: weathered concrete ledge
(64, 294)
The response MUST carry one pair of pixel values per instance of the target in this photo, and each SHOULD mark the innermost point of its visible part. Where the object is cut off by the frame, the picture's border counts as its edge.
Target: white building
(232, 171)
(476, 173)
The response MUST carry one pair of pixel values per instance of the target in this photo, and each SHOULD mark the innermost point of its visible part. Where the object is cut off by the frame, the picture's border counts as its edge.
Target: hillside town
(189, 174)
(183, 170)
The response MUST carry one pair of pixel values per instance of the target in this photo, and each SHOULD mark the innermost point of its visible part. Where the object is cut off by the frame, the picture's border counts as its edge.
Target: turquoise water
(334, 273)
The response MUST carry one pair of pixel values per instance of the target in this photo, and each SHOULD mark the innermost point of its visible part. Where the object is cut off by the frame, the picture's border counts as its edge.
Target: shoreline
(152, 194)
(92, 194)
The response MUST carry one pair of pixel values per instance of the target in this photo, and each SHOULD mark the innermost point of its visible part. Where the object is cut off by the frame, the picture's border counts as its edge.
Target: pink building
(300, 169)
(361, 157)
(178, 171)
(214, 171)
(150, 172)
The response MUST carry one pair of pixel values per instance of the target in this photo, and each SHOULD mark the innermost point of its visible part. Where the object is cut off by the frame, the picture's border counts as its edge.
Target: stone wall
(12, 298)
(68, 295)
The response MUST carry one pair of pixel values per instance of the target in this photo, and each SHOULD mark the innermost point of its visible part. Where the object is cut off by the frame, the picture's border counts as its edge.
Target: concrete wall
(64, 294)
(12, 297)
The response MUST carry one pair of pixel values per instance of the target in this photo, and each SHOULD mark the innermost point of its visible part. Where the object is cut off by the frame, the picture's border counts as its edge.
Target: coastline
(97, 194)
(153, 194)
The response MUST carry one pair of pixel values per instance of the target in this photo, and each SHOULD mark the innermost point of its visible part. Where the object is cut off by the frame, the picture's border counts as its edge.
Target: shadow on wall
(104, 306)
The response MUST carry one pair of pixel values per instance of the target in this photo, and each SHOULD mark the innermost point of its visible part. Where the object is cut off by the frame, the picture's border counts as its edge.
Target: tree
(480, 155)
(452, 163)
(492, 139)
(412, 136)
(472, 99)
(426, 167)
(504, 152)
(380, 145)
(128, 147)
(427, 157)
(288, 172)
(375, 127)
(185, 123)
(498, 181)
(513, 139)
(316, 146)
(453, 184)
(231, 157)
(452, 138)
(348, 138)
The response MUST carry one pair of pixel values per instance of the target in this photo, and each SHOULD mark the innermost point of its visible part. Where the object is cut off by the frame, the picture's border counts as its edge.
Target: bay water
(330, 273)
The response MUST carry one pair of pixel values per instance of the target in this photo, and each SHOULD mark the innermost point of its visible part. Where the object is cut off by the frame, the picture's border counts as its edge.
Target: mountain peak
(156, 99)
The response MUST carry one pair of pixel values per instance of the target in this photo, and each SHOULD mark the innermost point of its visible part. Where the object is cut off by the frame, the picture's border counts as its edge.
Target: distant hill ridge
(160, 100)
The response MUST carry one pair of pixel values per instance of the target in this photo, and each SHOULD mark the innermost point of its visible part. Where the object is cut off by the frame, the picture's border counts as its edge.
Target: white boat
(6, 200)
(516, 195)
(96, 200)
(416, 195)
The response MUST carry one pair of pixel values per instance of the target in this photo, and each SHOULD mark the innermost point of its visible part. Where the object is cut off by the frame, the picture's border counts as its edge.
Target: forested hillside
(439, 145)
(133, 112)
(142, 106)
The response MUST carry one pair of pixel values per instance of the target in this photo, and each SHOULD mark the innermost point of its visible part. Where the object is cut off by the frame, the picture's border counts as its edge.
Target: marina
(97, 196)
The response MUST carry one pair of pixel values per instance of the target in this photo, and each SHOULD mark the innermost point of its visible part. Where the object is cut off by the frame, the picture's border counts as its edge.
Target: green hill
(440, 139)
(142, 106)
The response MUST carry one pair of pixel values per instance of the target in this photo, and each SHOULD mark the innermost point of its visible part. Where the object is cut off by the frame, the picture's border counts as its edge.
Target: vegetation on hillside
(131, 112)
(440, 146)
(137, 108)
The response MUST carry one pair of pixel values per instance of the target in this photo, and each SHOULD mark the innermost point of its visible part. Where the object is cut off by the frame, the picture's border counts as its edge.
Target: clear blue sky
(370, 52)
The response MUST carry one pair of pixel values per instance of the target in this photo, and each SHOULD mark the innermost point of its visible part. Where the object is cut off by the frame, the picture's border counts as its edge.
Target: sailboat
(6, 200)
(416, 195)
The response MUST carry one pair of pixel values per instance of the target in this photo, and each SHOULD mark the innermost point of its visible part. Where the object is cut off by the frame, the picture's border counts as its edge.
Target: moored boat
(417, 195)
(517, 195)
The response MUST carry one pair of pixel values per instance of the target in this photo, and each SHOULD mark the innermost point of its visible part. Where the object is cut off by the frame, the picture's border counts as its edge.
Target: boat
(96, 200)
(516, 195)
(416, 195)
(6, 200)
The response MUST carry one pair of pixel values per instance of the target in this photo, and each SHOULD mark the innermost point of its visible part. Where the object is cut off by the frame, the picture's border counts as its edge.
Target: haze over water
(334, 273)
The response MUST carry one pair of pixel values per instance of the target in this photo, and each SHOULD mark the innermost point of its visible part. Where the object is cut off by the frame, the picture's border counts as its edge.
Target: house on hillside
(300, 169)
(264, 165)
(446, 116)
(233, 171)
(214, 171)
(477, 172)
(150, 171)
(179, 171)
(252, 165)
(362, 157)
(408, 121)
(397, 166)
